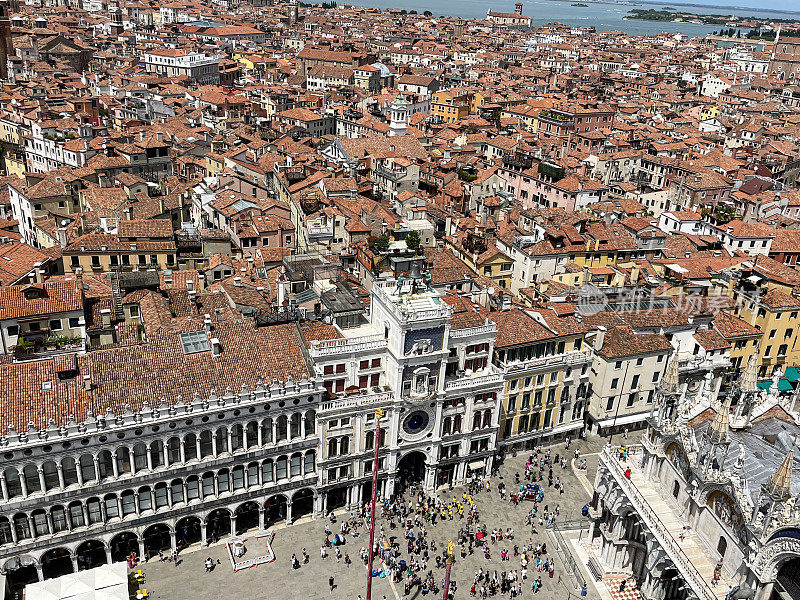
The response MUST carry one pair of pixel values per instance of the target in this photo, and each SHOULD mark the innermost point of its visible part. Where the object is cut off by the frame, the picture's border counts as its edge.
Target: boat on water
(580, 4)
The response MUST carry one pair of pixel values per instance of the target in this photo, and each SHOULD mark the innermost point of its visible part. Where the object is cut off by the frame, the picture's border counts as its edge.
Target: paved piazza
(279, 580)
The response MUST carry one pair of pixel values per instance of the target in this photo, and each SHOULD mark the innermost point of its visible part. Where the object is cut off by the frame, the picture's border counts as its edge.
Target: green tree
(412, 240)
(382, 242)
(428, 13)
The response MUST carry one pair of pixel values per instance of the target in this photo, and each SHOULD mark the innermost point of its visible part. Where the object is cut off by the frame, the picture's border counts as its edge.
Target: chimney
(282, 288)
(105, 315)
(87, 383)
(207, 323)
(599, 338)
(37, 272)
(237, 281)
(634, 274)
(128, 210)
(201, 282)
(216, 347)
(62, 237)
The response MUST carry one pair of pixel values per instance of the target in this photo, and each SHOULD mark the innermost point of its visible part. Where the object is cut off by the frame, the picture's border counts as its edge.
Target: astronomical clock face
(693, 386)
(416, 424)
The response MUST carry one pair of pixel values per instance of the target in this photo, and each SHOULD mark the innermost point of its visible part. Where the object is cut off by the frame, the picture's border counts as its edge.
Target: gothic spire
(719, 428)
(669, 383)
(780, 485)
(750, 376)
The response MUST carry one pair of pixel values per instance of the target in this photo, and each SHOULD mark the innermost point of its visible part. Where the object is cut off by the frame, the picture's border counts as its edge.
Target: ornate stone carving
(772, 555)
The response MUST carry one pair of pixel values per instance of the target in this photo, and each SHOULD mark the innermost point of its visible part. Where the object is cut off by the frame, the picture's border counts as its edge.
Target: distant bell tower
(117, 26)
(398, 113)
(294, 12)
(6, 44)
(518, 8)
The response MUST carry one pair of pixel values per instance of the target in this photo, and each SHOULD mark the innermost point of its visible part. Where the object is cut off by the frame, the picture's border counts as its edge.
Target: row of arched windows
(52, 475)
(162, 495)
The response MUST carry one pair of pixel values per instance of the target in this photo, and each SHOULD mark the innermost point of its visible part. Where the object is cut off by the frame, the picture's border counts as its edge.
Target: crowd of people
(406, 549)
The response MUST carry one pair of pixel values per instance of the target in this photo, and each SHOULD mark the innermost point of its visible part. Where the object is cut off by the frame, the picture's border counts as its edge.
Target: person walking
(330, 584)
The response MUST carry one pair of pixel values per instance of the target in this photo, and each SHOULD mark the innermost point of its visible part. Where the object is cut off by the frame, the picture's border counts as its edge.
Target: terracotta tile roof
(154, 370)
(516, 327)
(17, 301)
(620, 342)
(731, 327)
(778, 299)
(710, 340)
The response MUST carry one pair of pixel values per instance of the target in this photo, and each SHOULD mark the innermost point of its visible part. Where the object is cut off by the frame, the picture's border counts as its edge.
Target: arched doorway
(337, 498)
(91, 553)
(302, 503)
(55, 563)
(122, 545)
(20, 571)
(156, 538)
(789, 580)
(246, 517)
(411, 468)
(274, 510)
(218, 524)
(188, 531)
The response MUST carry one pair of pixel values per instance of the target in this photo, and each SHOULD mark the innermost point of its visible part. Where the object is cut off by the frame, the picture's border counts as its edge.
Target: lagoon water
(603, 16)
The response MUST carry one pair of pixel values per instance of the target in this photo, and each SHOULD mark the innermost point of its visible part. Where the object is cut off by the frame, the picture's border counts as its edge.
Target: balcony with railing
(654, 514)
(372, 343)
(566, 359)
(319, 231)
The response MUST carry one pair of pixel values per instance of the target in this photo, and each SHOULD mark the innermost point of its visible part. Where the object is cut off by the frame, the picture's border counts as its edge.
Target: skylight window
(196, 341)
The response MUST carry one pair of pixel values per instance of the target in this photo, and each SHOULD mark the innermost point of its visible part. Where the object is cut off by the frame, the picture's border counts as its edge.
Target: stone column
(4, 485)
(74, 558)
(114, 464)
(245, 445)
(60, 471)
(96, 464)
(141, 549)
(230, 442)
(149, 460)
(288, 512)
(23, 484)
(41, 480)
(765, 591)
(79, 472)
(260, 435)
(39, 573)
(214, 444)
(172, 541)
(197, 444)
(108, 554)
(203, 538)
(49, 518)
(182, 447)
(233, 523)
(85, 512)
(261, 512)
(136, 502)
